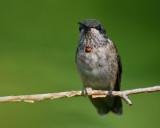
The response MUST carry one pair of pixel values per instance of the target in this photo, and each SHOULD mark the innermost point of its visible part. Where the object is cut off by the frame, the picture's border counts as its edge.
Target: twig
(94, 93)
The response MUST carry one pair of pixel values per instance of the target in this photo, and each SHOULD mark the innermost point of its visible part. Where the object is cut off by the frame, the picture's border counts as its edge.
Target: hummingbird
(99, 65)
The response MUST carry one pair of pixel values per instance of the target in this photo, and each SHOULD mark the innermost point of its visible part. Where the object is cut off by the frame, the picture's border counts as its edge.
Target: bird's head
(92, 29)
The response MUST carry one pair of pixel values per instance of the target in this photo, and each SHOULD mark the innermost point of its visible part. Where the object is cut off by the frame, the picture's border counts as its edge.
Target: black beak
(84, 26)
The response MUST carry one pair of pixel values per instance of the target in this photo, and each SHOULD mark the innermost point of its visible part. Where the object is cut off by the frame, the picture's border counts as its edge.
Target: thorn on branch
(126, 99)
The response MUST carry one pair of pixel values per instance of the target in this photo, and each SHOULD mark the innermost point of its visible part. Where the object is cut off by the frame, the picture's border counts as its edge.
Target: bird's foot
(84, 91)
(110, 92)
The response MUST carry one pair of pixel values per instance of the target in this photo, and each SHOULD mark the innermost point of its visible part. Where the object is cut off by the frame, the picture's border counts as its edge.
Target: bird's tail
(104, 105)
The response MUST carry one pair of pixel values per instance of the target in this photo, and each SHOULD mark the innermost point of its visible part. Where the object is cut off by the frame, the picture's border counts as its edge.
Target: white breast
(95, 68)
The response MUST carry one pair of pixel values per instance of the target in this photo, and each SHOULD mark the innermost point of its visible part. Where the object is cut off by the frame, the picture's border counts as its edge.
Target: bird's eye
(99, 27)
(80, 28)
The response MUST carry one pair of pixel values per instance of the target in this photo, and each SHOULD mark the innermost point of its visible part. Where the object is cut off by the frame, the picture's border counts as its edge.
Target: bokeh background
(38, 41)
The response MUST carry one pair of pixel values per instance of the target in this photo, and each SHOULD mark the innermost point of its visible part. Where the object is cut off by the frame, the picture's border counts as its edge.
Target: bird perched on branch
(99, 65)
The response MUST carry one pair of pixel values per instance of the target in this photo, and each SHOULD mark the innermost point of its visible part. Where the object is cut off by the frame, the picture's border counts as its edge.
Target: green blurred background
(38, 41)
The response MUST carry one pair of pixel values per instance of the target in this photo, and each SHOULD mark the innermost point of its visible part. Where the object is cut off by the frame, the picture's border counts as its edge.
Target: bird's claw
(84, 92)
(110, 92)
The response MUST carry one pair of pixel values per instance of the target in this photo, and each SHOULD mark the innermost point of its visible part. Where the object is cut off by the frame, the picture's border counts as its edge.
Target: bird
(99, 65)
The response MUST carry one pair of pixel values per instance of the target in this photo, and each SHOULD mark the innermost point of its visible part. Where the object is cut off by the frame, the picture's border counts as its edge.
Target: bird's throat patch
(88, 48)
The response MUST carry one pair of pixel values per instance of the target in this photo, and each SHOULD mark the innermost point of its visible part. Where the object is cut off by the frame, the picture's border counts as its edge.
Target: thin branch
(90, 92)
